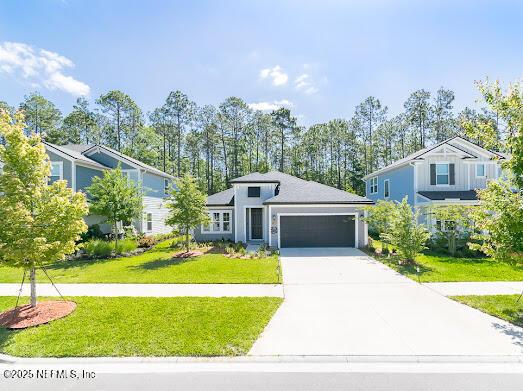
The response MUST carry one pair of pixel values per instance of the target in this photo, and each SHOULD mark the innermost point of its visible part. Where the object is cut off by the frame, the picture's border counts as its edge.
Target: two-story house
(284, 211)
(79, 164)
(446, 173)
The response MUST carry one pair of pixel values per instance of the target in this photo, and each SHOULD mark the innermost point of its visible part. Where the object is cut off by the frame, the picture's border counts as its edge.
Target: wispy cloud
(304, 83)
(40, 67)
(270, 106)
(276, 74)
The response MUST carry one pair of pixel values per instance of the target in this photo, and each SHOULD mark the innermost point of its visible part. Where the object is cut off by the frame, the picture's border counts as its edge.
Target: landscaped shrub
(126, 246)
(93, 232)
(98, 248)
(146, 241)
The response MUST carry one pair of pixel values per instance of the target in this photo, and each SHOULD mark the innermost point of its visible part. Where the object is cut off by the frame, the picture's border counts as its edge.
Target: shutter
(452, 176)
(432, 174)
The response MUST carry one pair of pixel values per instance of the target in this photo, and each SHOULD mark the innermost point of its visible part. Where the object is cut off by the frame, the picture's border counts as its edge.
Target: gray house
(443, 174)
(79, 164)
(284, 211)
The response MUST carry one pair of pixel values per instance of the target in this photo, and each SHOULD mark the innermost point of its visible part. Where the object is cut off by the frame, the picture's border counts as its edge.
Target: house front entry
(256, 224)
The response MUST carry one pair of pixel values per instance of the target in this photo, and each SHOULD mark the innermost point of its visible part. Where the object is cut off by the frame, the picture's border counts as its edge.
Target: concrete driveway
(342, 302)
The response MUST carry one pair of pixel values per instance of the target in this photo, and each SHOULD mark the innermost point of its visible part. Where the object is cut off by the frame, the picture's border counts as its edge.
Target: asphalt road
(413, 377)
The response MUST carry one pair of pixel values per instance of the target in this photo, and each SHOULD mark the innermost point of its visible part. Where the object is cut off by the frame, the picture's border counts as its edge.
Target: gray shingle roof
(132, 160)
(223, 198)
(465, 195)
(293, 190)
(75, 152)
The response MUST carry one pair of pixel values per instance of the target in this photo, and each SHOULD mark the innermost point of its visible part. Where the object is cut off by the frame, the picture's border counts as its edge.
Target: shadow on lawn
(161, 263)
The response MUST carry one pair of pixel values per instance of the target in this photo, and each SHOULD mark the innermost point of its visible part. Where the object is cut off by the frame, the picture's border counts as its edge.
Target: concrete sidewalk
(149, 290)
(476, 288)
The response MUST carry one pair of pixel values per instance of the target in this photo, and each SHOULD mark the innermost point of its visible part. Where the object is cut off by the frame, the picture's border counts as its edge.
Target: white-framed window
(442, 174)
(374, 185)
(57, 172)
(480, 170)
(220, 222)
(149, 219)
(386, 188)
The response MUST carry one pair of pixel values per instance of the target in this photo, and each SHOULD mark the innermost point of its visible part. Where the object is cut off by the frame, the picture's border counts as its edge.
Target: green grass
(500, 306)
(444, 268)
(159, 266)
(133, 326)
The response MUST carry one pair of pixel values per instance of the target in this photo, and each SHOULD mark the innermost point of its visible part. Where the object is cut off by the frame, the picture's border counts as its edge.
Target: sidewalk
(476, 288)
(149, 290)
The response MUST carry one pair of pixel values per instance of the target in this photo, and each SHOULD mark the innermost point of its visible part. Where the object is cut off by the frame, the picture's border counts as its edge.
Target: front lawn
(134, 326)
(444, 268)
(158, 266)
(500, 306)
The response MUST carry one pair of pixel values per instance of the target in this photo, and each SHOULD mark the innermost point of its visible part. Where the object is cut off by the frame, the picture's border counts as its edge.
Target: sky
(320, 58)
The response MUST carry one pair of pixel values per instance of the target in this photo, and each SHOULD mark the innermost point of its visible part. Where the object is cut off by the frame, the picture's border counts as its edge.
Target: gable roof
(136, 162)
(73, 152)
(292, 190)
(418, 155)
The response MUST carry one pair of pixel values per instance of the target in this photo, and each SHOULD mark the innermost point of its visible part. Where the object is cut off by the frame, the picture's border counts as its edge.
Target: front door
(256, 224)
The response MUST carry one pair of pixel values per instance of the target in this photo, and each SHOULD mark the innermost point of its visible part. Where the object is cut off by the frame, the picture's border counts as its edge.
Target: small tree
(116, 198)
(41, 222)
(380, 217)
(499, 221)
(455, 222)
(405, 233)
(187, 207)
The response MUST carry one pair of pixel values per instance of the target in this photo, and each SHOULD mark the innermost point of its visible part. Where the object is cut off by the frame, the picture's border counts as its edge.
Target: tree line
(217, 143)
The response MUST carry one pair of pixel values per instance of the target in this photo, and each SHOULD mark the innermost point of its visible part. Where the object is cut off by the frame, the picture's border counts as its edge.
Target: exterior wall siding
(153, 185)
(401, 184)
(155, 206)
(361, 226)
(84, 177)
(108, 161)
(241, 200)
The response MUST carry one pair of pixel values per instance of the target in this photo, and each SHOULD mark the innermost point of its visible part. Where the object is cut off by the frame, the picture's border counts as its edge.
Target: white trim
(365, 229)
(248, 234)
(255, 184)
(61, 166)
(235, 215)
(484, 170)
(326, 205)
(385, 187)
(270, 226)
(221, 231)
(356, 222)
(448, 174)
(371, 185)
(73, 176)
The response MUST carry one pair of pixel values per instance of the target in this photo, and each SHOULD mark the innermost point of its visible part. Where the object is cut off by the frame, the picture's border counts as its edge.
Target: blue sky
(321, 58)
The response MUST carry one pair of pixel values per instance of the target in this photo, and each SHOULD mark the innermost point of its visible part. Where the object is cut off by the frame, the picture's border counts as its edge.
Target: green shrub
(98, 248)
(93, 232)
(126, 246)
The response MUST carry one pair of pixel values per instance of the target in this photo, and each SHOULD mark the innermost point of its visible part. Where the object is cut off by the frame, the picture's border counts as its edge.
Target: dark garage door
(317, 231)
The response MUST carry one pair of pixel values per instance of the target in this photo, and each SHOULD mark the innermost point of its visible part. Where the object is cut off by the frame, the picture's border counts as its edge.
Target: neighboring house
(446, 173)
(79, 164)
(284, 211)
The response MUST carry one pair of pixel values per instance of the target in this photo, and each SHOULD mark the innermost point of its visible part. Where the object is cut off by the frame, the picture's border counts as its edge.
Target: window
(374, 185)
(166, 186)
(220, 223)
(149, 221)
(442, 174)
(480, 171)
(445, 225)
(386, 188)
(57, 172)
(253, 192)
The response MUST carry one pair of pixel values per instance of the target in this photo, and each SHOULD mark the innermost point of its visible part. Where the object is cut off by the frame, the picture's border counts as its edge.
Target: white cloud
(270, 106)
(276, 74)
(40, 67)
(304, 83)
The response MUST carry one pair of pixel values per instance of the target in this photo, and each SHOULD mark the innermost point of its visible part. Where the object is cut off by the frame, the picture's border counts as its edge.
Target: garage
(317, 231)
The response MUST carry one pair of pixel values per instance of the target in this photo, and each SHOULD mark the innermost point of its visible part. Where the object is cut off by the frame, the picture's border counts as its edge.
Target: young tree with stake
(41, 222)
(187, 207)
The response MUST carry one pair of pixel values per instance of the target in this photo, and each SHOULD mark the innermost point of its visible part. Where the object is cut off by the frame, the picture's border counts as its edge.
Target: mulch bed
(188, 254)
(44, 312)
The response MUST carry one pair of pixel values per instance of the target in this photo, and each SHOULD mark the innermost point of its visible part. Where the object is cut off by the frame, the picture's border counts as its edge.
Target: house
(79, 164)
(443, 174)
(284, 211)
